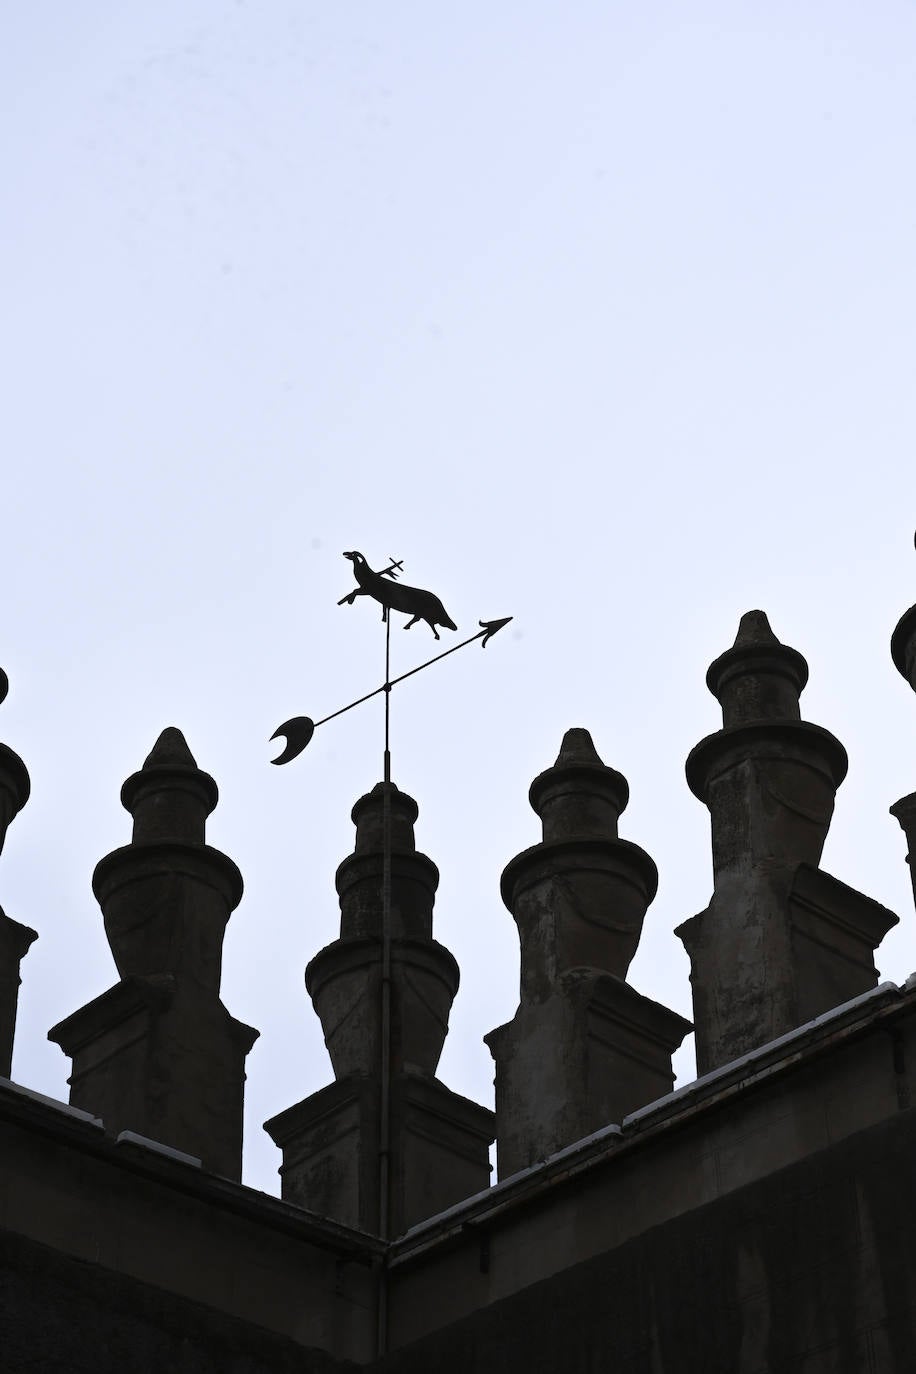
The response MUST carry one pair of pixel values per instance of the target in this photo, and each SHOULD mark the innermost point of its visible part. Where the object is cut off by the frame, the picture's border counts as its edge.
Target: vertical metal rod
(384, 1154)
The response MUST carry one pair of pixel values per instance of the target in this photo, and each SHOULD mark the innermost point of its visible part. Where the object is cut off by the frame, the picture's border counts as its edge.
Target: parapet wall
(703, 1233)
(811, 1268)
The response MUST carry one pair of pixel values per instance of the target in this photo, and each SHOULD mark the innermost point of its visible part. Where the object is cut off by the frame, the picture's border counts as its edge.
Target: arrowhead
(298, 732)
(492, 627)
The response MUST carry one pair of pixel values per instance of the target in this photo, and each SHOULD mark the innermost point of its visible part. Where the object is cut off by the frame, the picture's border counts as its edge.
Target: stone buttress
(438, 1142)
(781, 940)
(15, 939)
(584, 1047)
(159, 1054)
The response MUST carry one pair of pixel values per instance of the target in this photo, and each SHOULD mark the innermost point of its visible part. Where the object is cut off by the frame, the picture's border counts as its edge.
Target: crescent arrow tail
(297, 731)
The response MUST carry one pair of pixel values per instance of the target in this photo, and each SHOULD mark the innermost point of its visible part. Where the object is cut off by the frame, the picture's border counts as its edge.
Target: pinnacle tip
(754, 628)
(171, 749)
(578, 748)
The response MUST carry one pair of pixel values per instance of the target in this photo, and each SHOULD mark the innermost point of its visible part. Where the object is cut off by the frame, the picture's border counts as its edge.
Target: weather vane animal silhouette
(393, 596)
(412, 600)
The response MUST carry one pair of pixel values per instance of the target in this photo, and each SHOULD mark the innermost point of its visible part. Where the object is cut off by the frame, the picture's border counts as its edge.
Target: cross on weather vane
(393, 596)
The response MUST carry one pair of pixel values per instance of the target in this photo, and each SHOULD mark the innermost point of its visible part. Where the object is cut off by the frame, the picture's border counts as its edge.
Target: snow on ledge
(764, 1051)
(7, 1085)
(512, 1180)
(145, 1143)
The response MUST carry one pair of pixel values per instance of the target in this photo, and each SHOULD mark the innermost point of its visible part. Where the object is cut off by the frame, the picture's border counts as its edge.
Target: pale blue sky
(598, 314)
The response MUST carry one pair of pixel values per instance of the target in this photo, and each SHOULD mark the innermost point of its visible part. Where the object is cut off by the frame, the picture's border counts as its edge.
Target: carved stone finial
(170, 797)
(584, 1048)
(758, 678)
(781, 941)
(602, 884)
(758, 682)
(173, 1061)
(579, 795)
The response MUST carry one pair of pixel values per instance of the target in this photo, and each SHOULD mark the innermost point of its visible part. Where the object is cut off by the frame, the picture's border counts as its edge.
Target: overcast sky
(600, 315)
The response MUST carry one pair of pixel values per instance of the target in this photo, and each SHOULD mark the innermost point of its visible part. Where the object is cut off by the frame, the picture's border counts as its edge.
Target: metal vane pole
(384, 1149)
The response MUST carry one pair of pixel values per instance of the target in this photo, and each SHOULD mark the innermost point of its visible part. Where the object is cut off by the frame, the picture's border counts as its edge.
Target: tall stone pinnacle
(584, 1048)
(173, 1061)
(781, 941)
(436, 1150)
(15, 939)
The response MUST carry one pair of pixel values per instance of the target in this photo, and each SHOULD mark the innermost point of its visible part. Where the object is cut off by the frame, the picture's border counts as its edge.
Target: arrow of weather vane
(393, 596)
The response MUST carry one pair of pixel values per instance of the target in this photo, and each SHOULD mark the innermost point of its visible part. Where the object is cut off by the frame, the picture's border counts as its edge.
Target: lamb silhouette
(394, 596)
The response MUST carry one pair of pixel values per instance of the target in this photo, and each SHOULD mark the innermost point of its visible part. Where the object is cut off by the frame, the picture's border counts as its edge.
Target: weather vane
(393, 596)
(418, 605)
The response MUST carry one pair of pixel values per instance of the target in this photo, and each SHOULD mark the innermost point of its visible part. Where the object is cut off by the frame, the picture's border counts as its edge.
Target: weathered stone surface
(330, 1155)
(335, 1150)
(579, 1059)
(152, 1056)
(780, 942)
(344, 982)
(580, 896)
(158, 1053)
(584, 1048)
